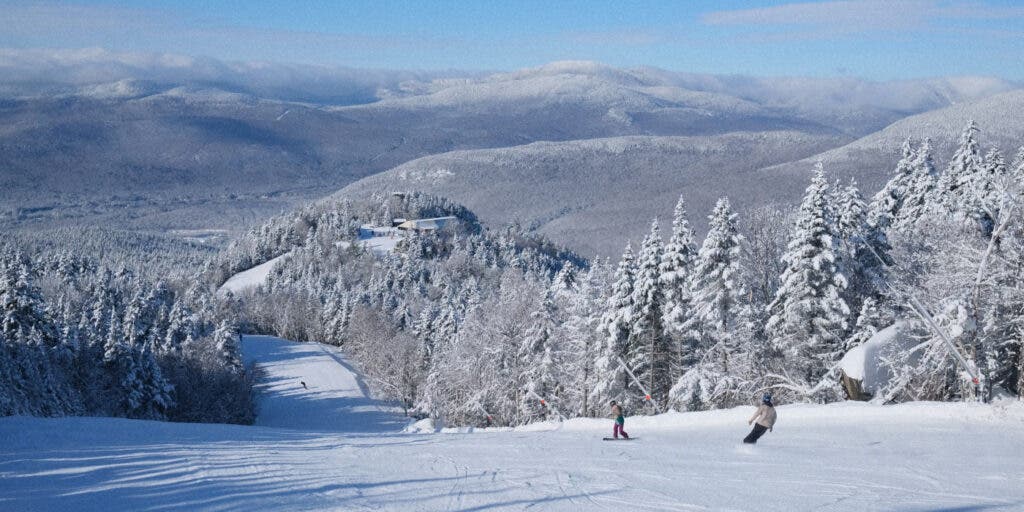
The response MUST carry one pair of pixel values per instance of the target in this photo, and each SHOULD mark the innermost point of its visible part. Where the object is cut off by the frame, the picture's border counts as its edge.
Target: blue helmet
(766, 398)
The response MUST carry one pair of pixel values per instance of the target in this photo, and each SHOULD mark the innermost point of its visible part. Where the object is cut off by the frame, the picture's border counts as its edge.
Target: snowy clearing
(251, 278)
(380, 241)
(331, 447)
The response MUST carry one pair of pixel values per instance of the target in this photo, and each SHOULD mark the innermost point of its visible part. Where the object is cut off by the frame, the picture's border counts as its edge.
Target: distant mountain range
(594, 194)
(162, 143)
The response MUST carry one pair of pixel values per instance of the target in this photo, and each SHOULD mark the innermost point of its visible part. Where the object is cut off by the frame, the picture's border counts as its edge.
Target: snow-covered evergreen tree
(1018, 168)
(582, 314)
(990, 190)
(718, 297)
(888, 202)
(540, 379)
(677, 266)
(147, 394)
(21, 305)
(650, 353)
(226, 342)
(957, 193)
(612, 381)
(921, 190)
(865, 248)
(809, 316)
(716, 287)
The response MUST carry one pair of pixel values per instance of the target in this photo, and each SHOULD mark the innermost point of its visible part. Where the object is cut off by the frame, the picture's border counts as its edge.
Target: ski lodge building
(422, 225)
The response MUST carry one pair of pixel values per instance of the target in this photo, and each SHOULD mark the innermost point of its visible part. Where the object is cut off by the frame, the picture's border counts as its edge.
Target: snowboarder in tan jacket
(620, 420)
(764, 416)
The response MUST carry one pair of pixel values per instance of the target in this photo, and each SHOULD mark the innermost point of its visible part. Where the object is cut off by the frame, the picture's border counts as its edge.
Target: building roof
(428, 224)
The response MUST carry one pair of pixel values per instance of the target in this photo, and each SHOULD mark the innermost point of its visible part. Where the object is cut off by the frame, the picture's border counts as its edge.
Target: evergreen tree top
(967, 158)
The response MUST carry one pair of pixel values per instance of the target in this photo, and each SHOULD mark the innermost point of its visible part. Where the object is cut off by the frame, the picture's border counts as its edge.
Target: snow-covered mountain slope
(871, 159)
(330, 447)
(592, 195)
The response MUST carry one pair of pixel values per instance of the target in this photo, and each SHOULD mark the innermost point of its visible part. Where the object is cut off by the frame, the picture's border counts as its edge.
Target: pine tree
(990, 189)
(583, 315)
(146, 393)
(8, 400)
(1018, 169)
(114, 346)
(956, 192)
(719, 312)
(863, 244)
(888, 202)
(226, 342)
(650, 348)
(177, 329)
(921, 191)
(21, 305)
(677, 266)
(717, 289)
(539, 376)
(565, 279)
(809, 315)
(134, 322)
(616, 325)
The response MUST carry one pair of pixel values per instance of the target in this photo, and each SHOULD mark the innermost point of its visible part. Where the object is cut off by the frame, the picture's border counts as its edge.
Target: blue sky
(866, 38)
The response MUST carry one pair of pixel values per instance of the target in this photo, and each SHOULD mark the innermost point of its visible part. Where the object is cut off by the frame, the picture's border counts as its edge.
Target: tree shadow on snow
(149, 467)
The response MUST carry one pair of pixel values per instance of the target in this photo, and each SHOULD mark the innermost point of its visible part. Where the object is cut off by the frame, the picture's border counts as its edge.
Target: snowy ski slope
(379, 241)
(332, 447)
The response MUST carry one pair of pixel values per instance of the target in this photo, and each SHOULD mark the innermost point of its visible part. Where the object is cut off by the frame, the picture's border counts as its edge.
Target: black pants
(755, 434)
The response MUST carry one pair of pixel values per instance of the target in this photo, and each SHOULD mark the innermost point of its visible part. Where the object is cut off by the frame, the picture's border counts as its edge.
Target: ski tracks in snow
(332, 447)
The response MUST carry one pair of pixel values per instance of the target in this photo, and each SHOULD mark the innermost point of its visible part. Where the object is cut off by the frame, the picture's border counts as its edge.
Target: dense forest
(132, 334)
(498, 326)
(473, 326)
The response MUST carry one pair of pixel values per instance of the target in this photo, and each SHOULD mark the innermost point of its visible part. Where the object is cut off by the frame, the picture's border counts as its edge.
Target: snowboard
(619, 439)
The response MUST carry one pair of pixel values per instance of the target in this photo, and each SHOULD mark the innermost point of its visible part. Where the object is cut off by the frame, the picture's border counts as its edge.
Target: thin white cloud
(27, 72)
(859, 15)
(49, 24)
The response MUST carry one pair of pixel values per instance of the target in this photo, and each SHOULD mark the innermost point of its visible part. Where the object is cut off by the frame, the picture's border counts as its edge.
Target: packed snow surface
(329, 446)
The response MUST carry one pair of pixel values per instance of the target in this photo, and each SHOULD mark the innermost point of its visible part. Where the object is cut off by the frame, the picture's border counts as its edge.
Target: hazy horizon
(869, 39)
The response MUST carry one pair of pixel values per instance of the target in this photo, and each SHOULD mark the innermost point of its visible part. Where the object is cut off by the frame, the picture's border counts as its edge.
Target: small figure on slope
(620, 420)
(765, 418)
